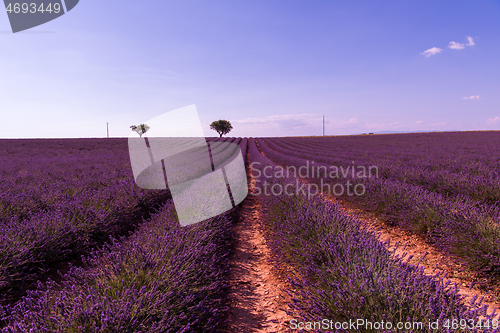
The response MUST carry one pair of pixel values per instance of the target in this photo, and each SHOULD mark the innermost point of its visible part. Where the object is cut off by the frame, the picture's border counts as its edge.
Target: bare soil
(450, 267)
(257, 291)
(257, 297)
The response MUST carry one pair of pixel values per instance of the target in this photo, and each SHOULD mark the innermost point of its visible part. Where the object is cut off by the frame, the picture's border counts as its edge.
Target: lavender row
(61, 198)
(454, 185)
(164, 278)
(38, 174)
(244, 148)
(344, 272)
(451, 169)
(476, 151)
(459, 227)
(462, 227)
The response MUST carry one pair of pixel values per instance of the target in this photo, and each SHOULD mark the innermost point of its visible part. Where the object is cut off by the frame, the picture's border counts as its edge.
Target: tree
(141, 129)
(221, 126)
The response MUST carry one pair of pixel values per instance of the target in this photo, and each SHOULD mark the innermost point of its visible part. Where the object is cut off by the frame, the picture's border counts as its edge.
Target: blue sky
(272, 68)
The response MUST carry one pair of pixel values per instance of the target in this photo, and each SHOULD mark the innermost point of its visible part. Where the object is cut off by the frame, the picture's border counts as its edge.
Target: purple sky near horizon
(272, 68)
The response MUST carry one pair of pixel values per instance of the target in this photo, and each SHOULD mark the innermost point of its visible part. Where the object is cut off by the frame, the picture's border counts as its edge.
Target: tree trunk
(220, 135)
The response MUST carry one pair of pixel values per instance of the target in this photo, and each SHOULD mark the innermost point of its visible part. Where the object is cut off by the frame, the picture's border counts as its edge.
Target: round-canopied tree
(221, 126)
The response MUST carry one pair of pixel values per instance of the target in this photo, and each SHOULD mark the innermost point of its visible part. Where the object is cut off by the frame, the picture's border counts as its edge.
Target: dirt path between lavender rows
(452, 268)
(258, 302)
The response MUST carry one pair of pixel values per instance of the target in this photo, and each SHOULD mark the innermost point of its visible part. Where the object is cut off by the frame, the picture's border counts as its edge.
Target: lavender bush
(448, 163)
(458, 224)
(164, 278)
(61, 198)
(345, 272)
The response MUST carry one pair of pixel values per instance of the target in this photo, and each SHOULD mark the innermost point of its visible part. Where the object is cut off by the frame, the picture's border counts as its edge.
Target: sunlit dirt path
(256, 293)
(451, 268)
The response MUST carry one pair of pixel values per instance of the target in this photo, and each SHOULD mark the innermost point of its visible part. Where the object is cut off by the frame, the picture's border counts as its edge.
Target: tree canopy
(221, 126)
(140, 129)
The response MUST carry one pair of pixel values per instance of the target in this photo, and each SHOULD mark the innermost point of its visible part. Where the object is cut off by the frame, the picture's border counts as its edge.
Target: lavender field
(126, 265)
(130, 267)
(344, 271)
(442, 186)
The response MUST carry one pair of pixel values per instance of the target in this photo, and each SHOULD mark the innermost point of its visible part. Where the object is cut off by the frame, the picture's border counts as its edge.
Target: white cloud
(472, 97)
(432, 51)
(453, 45)
(456, 46)
(311, 124)
(439, 125)
(383, 126)
(401, 126)
(354, 120)
(282, 118)
(459, 46)
(279, 125)
(493, 121)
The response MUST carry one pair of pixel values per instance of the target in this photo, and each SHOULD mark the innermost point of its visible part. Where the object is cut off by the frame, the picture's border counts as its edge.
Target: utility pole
(323, 125)
(107, 129)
